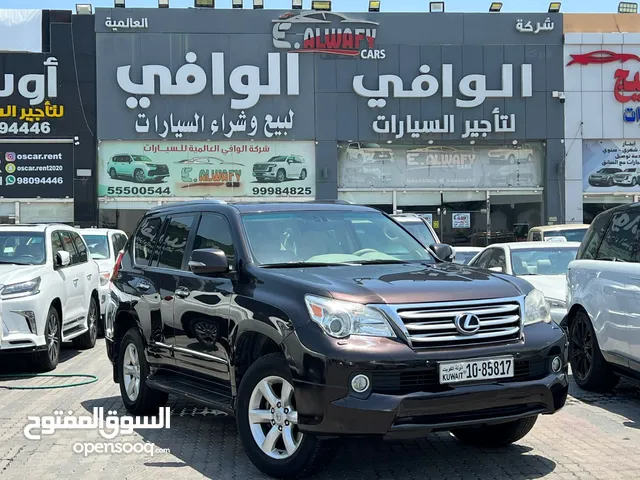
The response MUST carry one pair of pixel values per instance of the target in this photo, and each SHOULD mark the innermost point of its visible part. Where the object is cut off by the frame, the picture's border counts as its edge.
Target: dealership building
(602, 116)
(47, 117)
(456, 116)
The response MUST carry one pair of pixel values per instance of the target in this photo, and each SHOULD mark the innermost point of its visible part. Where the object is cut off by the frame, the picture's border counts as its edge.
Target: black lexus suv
(311, 321)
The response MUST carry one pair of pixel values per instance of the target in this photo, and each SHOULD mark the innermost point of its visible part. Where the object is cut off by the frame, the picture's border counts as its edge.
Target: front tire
(138, 176)
(48, 359)
(303, 174)
(496, 436)
(113, 174)
(589, 368)
(88, 339)
(281, 176)
(137, 397)
(267, 423)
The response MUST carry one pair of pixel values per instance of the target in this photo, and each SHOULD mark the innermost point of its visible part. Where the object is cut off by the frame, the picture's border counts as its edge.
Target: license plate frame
(463, 371)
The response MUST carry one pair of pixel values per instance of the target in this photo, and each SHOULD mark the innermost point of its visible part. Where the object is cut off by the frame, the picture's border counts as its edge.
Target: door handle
(182, 292)
(89, 276)
(75, 282)
(143, 286)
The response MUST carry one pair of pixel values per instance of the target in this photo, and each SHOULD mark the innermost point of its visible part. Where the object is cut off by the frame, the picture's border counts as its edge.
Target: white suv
(48, 292)
(104, 246)
(603, 298)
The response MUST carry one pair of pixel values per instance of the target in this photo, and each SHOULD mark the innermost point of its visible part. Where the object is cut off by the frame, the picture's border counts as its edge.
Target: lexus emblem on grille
(467, 323)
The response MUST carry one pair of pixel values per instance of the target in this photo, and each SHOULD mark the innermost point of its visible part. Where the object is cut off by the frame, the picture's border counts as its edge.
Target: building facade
(449, 115)
(602, 118)
(48, 120)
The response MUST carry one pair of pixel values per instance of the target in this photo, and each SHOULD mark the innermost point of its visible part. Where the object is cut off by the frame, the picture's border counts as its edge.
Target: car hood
(553, 286)
(19, 273)
(403, 283)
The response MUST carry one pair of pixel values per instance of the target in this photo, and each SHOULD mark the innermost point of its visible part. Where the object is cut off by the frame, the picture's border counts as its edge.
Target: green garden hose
(90, 379)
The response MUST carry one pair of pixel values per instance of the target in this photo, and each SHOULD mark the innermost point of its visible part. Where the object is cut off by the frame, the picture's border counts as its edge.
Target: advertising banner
(367, 165)
(36, 170)
(611, 166)
(201, 169)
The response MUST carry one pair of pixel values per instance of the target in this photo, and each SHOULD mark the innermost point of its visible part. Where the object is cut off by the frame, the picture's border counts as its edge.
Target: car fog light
(556, 364)
(360, 383)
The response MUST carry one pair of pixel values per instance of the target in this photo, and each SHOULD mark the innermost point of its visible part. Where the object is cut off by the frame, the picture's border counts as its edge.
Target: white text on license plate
(476, 369)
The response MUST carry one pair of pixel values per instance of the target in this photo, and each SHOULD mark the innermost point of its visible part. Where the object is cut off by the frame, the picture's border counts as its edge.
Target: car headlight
(340, 319)
(556, 303)
(536, 308)
(104, 278)
(23, 288)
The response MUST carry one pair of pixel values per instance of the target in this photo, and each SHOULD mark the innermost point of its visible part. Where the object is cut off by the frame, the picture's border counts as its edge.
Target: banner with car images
(611, 166)
(367, 165)
(200, 169)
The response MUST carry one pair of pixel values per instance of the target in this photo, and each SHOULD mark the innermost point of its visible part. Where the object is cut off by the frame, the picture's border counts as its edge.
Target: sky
(568, 6)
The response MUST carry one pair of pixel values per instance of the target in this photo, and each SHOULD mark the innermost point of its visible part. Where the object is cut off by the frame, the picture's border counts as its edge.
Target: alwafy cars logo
(326, 32)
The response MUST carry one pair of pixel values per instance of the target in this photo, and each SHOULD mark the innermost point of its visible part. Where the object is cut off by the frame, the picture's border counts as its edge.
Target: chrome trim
(199, 354)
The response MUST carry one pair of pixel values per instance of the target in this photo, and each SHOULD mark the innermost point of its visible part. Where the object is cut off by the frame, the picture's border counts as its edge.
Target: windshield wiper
(306, 264)
(380, 262)
(10, 263)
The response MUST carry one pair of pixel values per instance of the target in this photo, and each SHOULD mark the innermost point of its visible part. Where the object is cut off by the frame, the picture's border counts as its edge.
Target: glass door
(463, 218)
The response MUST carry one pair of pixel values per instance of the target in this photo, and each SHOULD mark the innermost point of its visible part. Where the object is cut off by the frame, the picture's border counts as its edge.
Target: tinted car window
(592, 239)
(145, 240)
(483, 259)
(621, 239)
(67, 244)
(120, 242)
(56, 244)
(214, 232)
(420, 231)
(498, 259)
(81, 247)
(174, 242)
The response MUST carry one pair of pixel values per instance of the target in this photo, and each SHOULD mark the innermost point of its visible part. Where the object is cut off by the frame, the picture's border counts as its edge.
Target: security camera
(562, 97)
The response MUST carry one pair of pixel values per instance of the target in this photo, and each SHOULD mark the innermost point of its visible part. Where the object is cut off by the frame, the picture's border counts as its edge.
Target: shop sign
(611, 166)
(370, 165)
(219, 169)
(327, 33)
(36, 170)
(424, 85)
(36, 119)
(528, 27)
(461, 220)
(129, 23)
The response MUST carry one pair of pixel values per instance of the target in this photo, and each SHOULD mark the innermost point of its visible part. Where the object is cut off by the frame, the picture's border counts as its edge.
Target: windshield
(609, 170)
(371, 145)
(141, 158)
(277, 159)
(22, 248)
(630, 170)
(317, 238)
(575, 235)
(464, 257)
(98, 246)
(421, 232)
(543, 261)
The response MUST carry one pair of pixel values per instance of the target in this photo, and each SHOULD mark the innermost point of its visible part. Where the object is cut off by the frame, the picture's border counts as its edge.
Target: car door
(154, 289)
(65, 275)
(74, 286)
(86, 274)
(202, 308)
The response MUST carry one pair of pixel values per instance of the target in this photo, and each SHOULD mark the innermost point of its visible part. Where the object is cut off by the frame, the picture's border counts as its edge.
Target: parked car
(603, 177)
(366, 176)
(543, 264)
(281, 168)
(140, 168)
(209, 161)
(352, 328)
(512, 155)
(419, 227)
(49, 292)
(368, 152)
(629, 177)
(604, 301)
(572, 232)
(104, 246)
(465, 254)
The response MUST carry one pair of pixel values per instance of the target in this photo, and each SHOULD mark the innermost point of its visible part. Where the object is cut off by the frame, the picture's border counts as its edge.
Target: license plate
(477, 369)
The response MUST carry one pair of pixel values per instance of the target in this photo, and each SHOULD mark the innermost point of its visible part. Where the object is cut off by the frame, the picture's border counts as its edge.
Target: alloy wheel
(53, 341)
(206, 333)
(131, 372)
(93, 322)
(273, 418)
(139, 176)
(581, 349)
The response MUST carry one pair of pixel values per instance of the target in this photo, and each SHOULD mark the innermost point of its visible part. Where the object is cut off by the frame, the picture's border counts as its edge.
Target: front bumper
(406, 400)
(626, 181)
(599, 182)
(262, 175)
(22, 321)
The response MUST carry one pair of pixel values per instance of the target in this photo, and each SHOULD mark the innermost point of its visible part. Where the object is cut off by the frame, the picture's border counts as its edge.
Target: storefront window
(49, 212)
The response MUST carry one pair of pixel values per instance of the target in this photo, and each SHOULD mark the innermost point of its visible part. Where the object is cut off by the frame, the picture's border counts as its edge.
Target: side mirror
(443, 251)
(62, 259)
(207, 261)
(497, 269)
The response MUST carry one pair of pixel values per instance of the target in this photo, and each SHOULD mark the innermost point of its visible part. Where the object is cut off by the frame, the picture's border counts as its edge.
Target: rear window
(575, 235)
(145, 240)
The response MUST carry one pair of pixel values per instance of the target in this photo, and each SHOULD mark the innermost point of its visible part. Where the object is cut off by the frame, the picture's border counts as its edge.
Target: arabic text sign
(220, 169)
(611, 166)
(528, 27)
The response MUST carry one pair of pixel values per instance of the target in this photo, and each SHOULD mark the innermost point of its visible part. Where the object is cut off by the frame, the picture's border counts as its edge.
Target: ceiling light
(627, 7)
(258, 3)
(118, 3)
(495, 6)
(322, 6)
(436, 7)
(554, 7)
(296, 4)
(236, 4)
(204, 3)
(374, 6)
(163, 3)
(84, 9)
